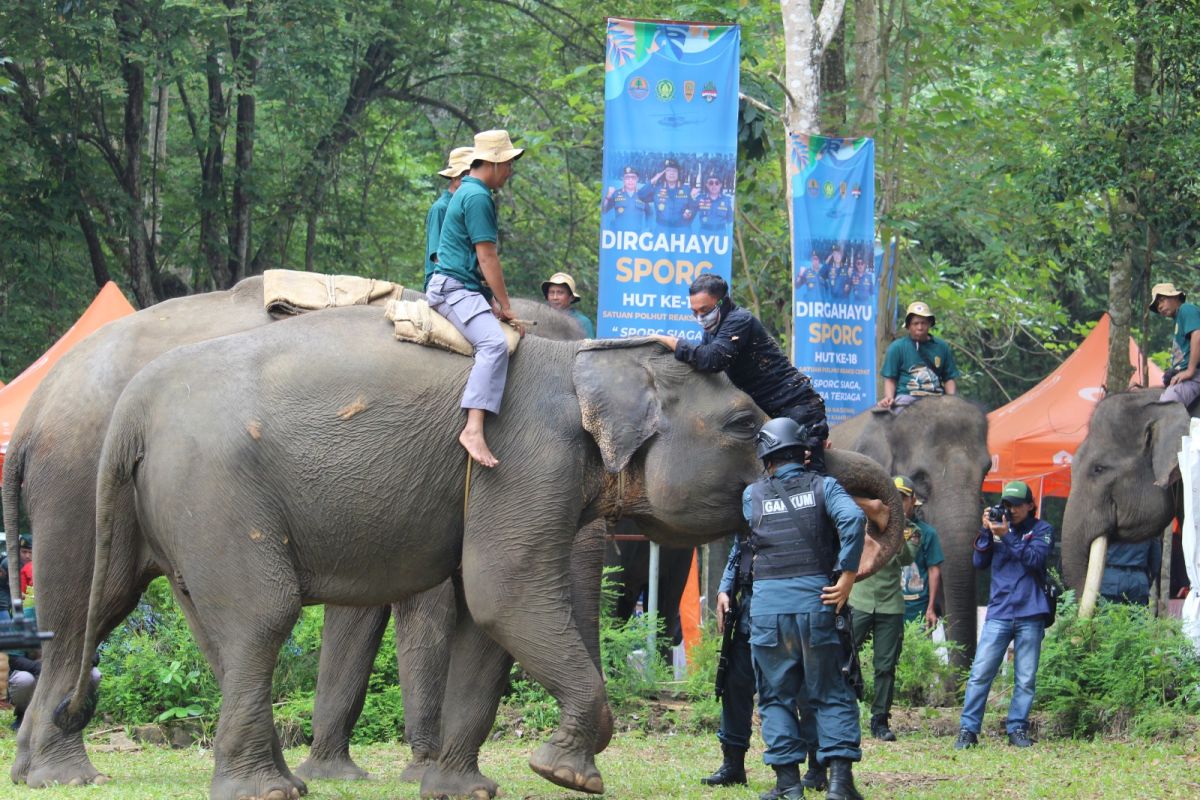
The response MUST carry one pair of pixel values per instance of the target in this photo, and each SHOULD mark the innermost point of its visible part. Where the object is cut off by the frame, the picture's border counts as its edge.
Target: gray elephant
(939, 442)
(1124, 483)
(51, 464)
(320, 441)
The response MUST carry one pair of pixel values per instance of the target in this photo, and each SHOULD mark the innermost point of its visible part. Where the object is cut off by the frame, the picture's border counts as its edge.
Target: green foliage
(924, 674)
(1123, 671)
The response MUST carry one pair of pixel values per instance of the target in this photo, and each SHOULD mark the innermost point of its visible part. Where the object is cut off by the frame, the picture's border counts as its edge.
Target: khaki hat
(459, 162)
(563, 278)
(1164, 290)
(905, 487)
(495, 147)
(919, 309)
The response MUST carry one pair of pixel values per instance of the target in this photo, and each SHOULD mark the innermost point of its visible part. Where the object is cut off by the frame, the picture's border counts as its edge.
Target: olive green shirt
(881, 593)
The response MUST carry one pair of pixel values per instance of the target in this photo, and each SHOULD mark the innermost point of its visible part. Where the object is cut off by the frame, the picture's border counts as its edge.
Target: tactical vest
(780, 549)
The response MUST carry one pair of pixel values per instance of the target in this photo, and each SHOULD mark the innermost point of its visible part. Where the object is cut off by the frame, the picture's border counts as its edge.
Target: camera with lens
(999, 513)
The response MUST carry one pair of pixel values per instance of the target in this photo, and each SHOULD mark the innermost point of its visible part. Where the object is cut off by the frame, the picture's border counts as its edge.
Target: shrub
(925, 675)
(1123, 671)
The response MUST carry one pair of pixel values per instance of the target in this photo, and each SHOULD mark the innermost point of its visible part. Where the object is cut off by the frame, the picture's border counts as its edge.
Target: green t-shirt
(433, 231)
(880, 593)
(1187, 320)
(470, 219)
(914, 579)
(912, 373)
(589, 330)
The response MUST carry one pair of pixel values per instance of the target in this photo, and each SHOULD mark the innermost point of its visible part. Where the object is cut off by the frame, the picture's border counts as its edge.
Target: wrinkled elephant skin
(330, 436)
(941, 444)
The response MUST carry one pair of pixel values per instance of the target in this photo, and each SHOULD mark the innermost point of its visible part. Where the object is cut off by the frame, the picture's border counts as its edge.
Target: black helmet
(781, 433)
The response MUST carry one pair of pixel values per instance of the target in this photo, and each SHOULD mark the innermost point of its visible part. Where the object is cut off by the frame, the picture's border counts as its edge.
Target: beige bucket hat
(1164, 290)
(496, 147)
(566, 280)
(919, 309)
(458, 163)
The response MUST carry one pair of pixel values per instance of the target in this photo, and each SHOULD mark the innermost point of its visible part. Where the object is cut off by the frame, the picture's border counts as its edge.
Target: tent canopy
(109, 304)
(1034, 438)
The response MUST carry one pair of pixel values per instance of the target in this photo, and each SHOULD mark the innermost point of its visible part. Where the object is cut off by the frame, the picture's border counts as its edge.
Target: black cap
(670, 162)
(629, 171)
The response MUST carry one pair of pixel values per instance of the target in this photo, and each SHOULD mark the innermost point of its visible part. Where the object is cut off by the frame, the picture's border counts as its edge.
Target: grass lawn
(668, 766)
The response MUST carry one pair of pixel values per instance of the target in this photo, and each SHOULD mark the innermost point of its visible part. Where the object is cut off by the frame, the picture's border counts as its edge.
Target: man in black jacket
(736, 343)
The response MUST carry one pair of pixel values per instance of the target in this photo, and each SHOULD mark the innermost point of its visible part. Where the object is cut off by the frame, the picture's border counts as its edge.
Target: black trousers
(737, 703)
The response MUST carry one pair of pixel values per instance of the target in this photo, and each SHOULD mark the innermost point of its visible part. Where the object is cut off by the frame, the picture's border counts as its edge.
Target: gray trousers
(471, 314)
(21, 685)
(1184, 392)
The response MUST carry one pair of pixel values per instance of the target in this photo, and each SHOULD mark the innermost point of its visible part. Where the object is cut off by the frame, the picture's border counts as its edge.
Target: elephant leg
(349, 640)
(587, 569)
(522, 598)
(211, 649)
(477, 676)
(46, 756)
(425, 625)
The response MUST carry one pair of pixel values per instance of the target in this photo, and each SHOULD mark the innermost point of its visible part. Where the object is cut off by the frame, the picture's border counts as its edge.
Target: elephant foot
(265, 787)
(568, 769)
(604, 729)
(416, 769)
(72, 774)
(440, 782)
(337, 769)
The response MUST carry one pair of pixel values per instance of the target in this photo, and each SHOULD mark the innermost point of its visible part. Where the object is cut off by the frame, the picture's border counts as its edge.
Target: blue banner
(834, 268)
(670, 169)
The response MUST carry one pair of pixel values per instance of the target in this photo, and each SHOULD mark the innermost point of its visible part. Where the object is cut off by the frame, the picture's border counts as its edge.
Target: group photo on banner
(835, 268)
(669, 174)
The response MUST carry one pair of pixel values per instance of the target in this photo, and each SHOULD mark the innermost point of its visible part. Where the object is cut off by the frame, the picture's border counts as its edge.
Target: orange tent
(109, 304)
(1034, 438)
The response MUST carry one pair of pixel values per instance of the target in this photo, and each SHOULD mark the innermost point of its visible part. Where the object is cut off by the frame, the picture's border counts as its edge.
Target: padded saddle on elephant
(416, 322)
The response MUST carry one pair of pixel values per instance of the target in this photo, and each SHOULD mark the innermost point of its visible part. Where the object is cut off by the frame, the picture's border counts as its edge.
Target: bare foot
(477, 447)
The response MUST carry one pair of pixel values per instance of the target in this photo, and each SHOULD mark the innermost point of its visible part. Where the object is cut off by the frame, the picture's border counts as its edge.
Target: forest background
(1034, 157)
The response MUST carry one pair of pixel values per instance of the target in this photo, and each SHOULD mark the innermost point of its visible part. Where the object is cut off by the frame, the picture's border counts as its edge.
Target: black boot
(815, 778)
(787, 784)
(732, 771)
(880, 729)
(841, 781)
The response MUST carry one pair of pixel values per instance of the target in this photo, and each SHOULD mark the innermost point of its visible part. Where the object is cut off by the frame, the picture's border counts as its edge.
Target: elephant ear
(875, 441)
(617, 397)
(1169, 423)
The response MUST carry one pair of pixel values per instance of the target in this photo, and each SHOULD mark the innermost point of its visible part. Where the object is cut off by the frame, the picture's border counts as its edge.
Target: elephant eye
(1098, 469)
(743, 425)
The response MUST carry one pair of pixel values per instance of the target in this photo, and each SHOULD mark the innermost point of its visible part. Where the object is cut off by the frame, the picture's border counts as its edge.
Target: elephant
(51, 464)
(940, 442)
(1124, 483)
(322, 437)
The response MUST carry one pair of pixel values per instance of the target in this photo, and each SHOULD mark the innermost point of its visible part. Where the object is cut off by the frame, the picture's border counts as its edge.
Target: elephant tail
(14, 473)
(119, 458)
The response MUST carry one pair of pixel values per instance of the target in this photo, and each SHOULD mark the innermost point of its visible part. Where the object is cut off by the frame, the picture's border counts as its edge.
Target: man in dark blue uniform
(714, 207)
(628, 212)
(737, 344)
(807, 536)
(671, 198)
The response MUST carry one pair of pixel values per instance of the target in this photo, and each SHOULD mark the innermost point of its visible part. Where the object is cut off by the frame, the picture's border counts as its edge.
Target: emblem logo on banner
(663, 222)
(834, 268)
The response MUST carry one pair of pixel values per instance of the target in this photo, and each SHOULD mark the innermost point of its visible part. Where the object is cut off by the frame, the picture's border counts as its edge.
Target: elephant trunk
(1095, 571)
(1083, 523)
(14, 467)
(861, 476)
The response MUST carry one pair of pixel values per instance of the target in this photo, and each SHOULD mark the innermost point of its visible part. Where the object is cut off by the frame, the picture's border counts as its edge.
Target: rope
(467, 492)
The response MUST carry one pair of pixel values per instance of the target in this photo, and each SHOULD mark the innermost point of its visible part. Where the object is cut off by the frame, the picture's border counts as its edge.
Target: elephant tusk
(1095, 571)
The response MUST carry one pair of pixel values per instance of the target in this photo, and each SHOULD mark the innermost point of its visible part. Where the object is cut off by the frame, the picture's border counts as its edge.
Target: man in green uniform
(468, 288)
(878, 606)
(918, 364)
(920, 580)
(671, 198)
(1182, 379)
(458, 164)
(560, 295)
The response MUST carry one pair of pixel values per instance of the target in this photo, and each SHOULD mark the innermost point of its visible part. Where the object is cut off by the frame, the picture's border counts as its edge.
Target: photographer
(1015, 544)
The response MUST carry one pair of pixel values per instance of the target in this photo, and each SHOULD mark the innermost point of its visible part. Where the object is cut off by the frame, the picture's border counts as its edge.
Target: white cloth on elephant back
(288, 292)
(418, 323)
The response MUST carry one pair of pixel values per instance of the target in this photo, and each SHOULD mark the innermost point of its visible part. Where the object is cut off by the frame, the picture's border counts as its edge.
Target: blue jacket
(1018, 563)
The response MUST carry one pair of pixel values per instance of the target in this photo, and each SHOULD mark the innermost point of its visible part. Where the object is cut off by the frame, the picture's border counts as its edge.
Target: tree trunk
(805, 39)
(142, 272)
(868, 65)
(1120, 299)
(243, 42)
(833, 83)
(212, 177)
